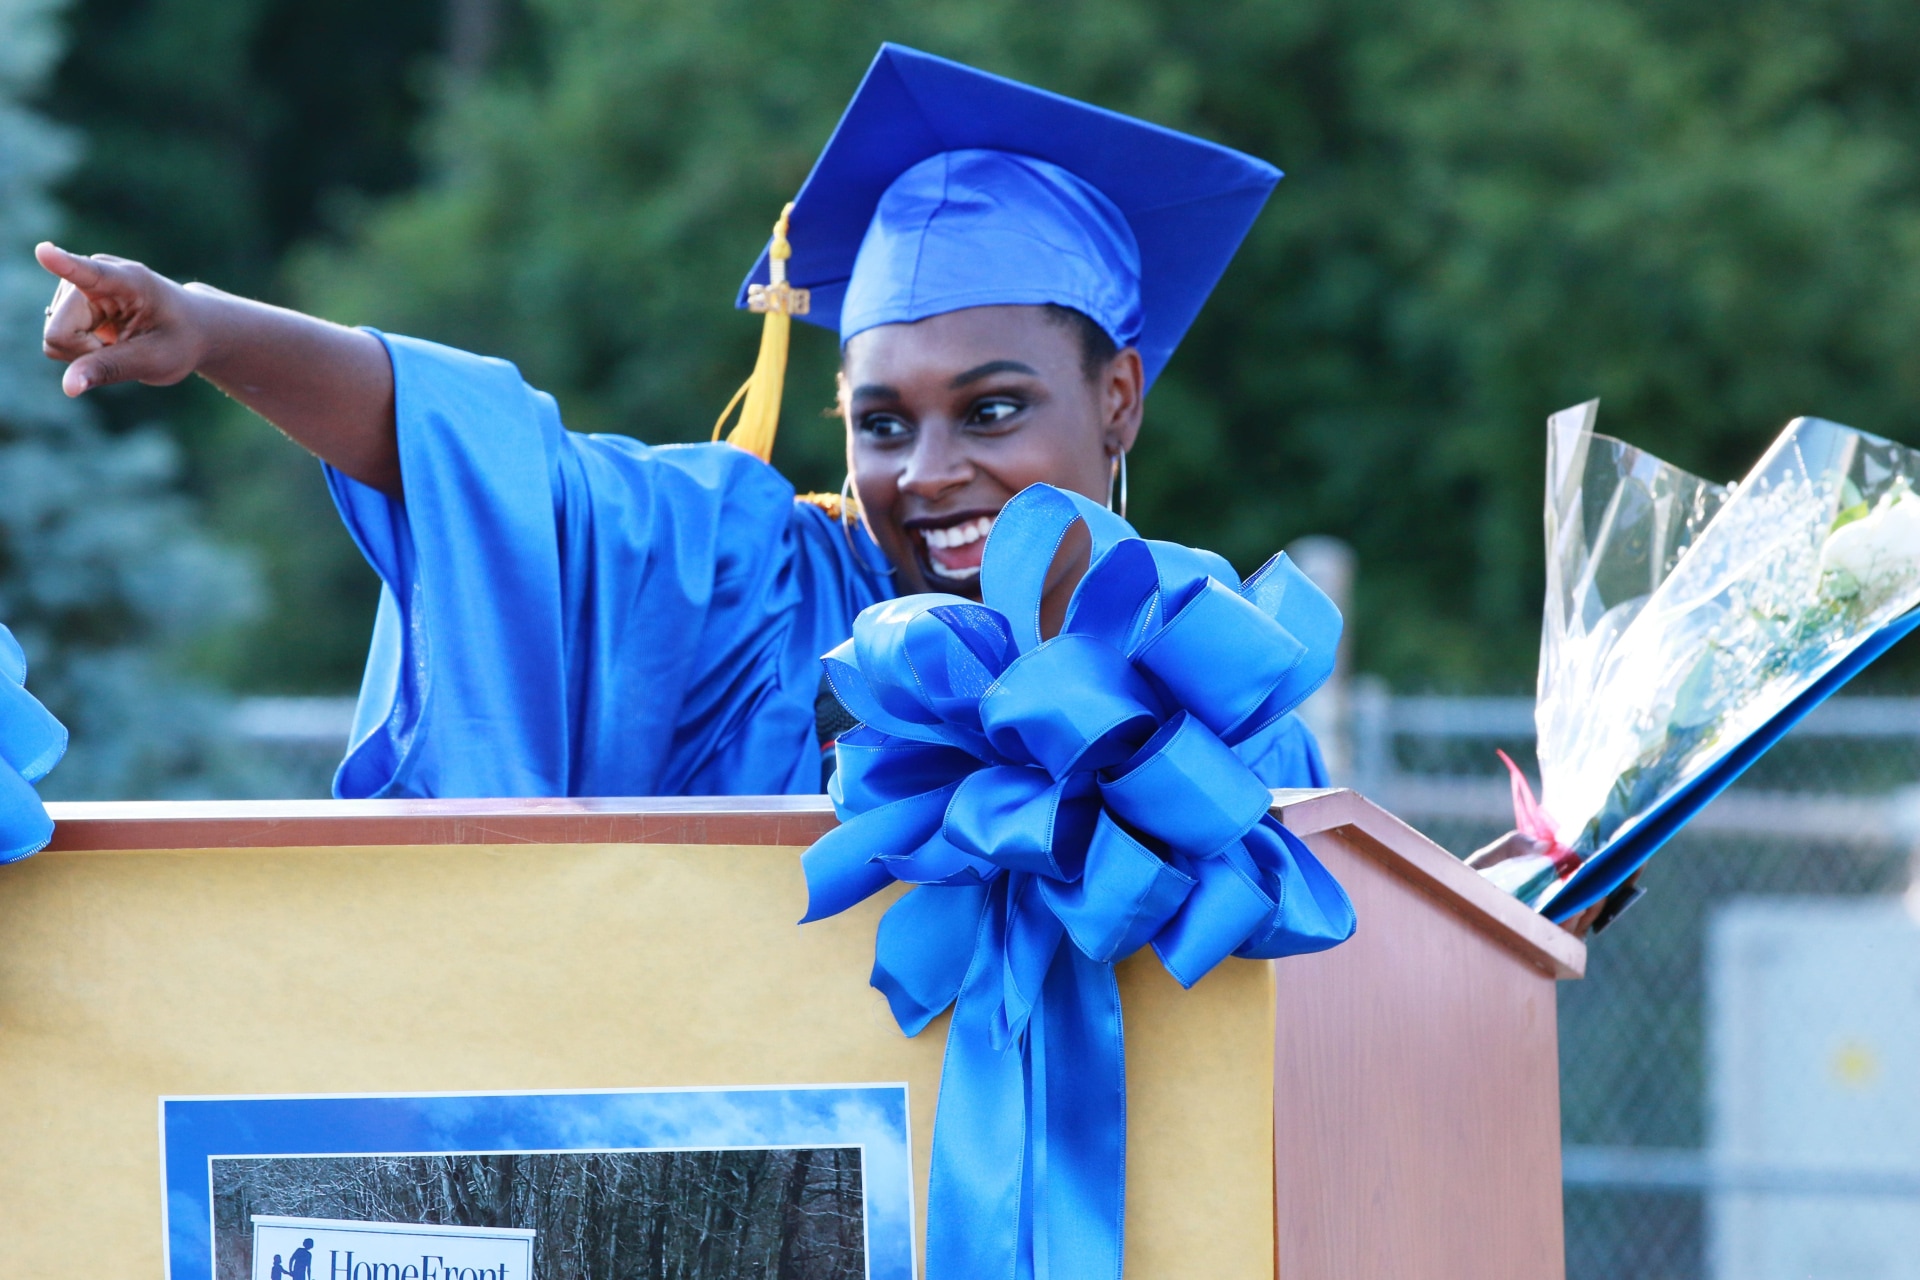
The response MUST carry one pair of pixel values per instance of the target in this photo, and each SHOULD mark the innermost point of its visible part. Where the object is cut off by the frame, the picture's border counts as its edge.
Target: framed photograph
(800, 1183)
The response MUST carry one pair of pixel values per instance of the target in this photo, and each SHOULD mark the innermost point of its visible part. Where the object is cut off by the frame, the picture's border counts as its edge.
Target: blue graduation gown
(647, 621)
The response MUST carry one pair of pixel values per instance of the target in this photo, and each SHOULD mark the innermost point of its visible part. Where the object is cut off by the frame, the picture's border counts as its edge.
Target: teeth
(958, 535)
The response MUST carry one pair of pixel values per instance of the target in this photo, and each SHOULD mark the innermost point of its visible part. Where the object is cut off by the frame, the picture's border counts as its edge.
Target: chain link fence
(1826, 815)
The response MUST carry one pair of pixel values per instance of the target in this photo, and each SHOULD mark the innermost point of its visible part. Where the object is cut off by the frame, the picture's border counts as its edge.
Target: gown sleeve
(565, 614)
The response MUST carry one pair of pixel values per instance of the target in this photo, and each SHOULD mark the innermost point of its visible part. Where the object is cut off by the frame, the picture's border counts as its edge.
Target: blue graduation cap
(944, 187)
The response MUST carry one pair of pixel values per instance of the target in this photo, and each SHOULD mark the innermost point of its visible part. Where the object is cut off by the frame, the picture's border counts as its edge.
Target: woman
(585, 615)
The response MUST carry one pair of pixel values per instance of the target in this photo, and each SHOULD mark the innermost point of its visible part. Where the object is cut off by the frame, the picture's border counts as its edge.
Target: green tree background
(106, 574)
(1707, 215)
(218, 135)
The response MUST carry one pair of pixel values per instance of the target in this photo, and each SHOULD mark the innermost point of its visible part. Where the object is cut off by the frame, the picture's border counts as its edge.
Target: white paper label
(333, 1249)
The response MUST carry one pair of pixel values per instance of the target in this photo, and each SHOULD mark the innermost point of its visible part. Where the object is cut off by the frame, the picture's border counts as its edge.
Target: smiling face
(949, 417)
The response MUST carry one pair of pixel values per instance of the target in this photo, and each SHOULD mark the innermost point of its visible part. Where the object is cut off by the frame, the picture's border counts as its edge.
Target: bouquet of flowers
(1689, 625)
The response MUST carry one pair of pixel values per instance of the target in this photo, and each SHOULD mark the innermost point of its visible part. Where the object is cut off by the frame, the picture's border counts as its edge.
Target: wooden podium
(1386, 1110)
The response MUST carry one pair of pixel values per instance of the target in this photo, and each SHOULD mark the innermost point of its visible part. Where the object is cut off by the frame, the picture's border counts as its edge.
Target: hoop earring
(849, 504)
(1117, 479)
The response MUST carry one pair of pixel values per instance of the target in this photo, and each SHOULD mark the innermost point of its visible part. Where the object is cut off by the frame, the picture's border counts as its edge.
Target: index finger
(84, 274)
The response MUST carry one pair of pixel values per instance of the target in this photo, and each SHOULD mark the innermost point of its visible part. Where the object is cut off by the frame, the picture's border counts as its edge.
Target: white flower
(1879, 550)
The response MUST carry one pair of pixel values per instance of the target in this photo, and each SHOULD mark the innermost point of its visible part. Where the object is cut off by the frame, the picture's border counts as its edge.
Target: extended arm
(327, 386)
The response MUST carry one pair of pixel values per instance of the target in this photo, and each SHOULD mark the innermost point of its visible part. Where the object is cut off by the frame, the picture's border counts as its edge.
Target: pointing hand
(114, 320)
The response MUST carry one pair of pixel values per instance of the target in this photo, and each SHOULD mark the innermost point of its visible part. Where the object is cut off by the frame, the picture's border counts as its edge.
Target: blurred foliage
(105, 574)
(218, 130)
(218, 134)
(1707, 215)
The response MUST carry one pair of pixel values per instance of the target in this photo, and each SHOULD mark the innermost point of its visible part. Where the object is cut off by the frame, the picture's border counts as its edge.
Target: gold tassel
(760, 415)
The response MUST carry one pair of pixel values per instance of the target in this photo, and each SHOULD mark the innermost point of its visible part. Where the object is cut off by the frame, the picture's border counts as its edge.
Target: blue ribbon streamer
(31, 743)
(1059, 804)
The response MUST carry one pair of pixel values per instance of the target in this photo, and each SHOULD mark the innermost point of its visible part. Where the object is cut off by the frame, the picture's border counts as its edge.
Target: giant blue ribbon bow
(1081, 789)
(31, 743)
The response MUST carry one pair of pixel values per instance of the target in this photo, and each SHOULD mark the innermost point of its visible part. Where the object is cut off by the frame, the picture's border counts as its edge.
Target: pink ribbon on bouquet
(1529, 819)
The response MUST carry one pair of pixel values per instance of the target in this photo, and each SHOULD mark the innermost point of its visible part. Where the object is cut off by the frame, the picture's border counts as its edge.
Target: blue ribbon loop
(1059, 804)
(31, 743)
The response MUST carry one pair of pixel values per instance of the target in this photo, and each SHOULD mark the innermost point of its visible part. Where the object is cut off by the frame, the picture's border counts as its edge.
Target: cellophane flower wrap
(1683, 617)
(1058, 804)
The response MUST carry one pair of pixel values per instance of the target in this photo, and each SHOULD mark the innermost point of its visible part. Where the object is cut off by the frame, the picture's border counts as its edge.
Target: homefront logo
(336, 1249)
(430, 1267)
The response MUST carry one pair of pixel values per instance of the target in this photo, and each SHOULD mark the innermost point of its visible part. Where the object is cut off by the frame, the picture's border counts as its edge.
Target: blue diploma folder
(1629, 850)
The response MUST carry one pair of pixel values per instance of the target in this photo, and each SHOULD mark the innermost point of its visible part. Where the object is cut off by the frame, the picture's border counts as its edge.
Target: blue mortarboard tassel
(1059, 804)
(31, 743)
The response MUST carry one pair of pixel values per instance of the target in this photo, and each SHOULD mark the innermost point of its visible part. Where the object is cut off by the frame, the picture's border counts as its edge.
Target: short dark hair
(1097, 347)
